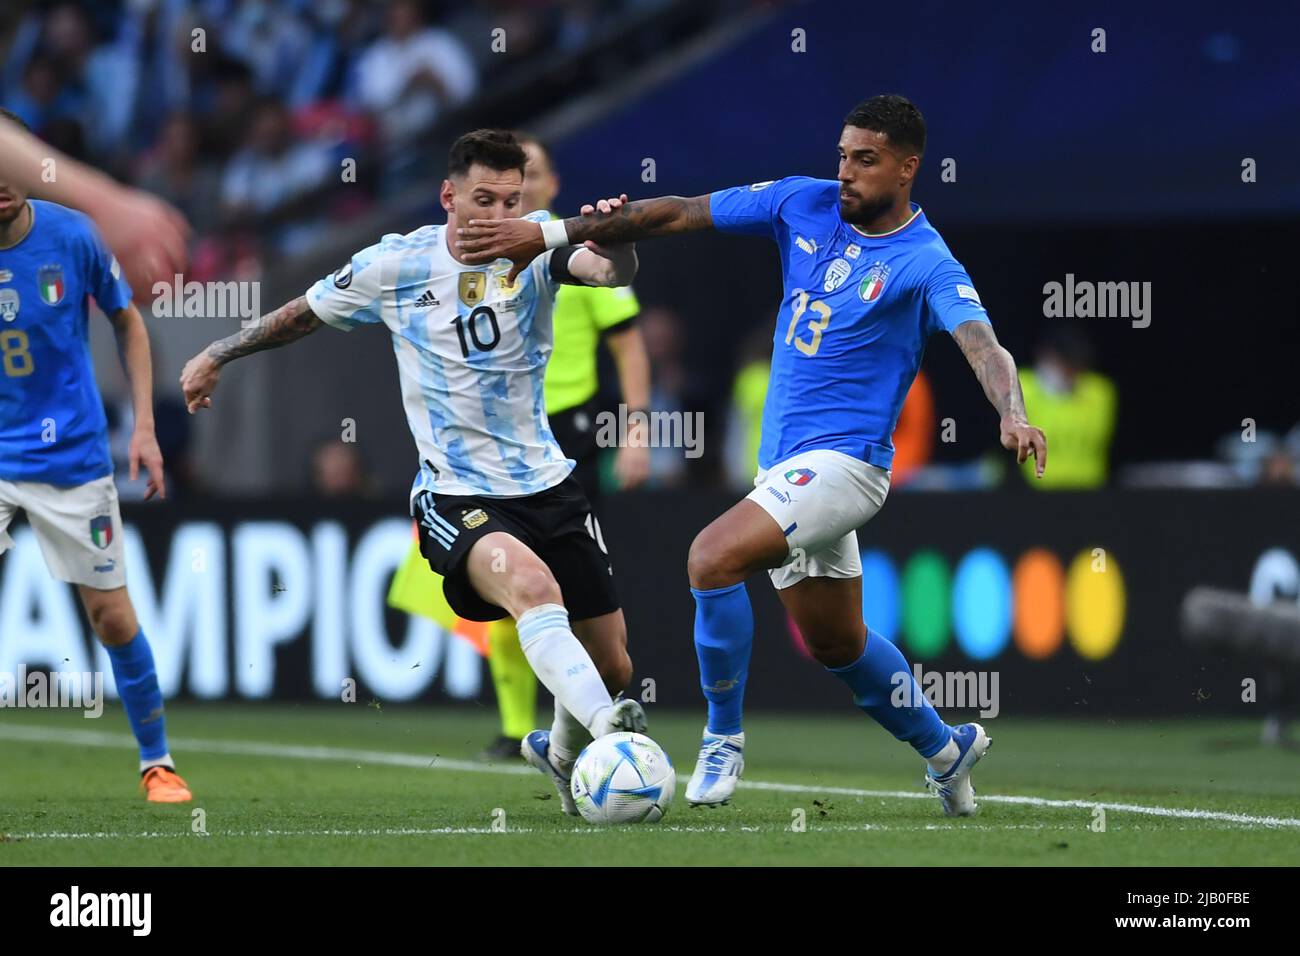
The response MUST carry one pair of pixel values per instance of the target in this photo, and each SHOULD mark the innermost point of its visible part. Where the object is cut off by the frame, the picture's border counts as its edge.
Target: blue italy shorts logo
(101, 531)
(800, 476)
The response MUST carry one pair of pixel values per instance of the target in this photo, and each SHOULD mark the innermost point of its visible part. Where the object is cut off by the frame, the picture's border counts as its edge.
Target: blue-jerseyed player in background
(54, 459)
(867, 280)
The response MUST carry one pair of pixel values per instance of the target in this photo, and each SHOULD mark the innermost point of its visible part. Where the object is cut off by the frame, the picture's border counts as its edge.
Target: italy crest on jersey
(49, 279)
(873, 283)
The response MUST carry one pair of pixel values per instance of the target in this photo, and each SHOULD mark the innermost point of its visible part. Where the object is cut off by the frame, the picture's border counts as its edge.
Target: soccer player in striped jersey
(500, 516)
(583, 317)
(54, 458)
(867, 280)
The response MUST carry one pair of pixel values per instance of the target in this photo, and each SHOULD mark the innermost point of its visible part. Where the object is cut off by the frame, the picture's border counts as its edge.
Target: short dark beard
(867, 211)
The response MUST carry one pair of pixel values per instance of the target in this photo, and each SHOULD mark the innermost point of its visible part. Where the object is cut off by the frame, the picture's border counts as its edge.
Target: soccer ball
(623, 778)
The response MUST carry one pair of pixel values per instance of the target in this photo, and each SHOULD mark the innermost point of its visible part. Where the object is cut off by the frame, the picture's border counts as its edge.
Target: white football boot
(717, 769)
(625, 715)
(953, 786)
(536, 750)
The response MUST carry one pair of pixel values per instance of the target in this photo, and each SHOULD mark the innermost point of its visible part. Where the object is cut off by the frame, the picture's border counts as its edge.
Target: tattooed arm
(614, 222)
(286, 324)
(996, 371)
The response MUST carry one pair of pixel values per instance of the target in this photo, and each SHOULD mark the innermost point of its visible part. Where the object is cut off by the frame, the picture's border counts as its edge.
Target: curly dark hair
(895, 116)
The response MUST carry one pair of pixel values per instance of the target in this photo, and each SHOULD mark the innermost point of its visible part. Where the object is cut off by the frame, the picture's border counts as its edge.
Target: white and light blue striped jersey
(471, 359)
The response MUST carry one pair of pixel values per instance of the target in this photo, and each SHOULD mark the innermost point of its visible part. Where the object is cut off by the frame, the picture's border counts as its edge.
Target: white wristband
(554, 234)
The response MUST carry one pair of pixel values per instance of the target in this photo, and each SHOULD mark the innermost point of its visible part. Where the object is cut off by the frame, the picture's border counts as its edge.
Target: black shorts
(558, 525)
(575, 431)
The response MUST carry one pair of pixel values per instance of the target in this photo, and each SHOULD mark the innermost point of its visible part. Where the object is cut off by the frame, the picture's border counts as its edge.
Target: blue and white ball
(623, 778)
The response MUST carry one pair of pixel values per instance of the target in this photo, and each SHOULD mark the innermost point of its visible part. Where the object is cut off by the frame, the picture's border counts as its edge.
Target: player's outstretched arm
(607, 266)
(137, 361)
(996, 371)
(146, 234)
(286, 324)
(521, 241)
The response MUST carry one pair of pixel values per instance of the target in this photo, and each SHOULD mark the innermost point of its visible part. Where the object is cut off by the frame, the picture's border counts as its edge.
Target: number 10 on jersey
(472, 322)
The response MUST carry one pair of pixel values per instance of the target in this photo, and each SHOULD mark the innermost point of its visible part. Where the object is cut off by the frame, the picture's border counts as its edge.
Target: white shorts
(820, 498)
(79, 529)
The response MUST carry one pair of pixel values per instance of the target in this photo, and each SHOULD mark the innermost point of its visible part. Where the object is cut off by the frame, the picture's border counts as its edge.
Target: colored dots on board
(986, 606)
(1039, 586)
(1094, 604)
(926, 603)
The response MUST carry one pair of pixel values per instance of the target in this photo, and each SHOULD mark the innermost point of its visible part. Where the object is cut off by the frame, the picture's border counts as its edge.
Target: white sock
(563, 665)
(568, 737)
(164, 761)
(942, 762)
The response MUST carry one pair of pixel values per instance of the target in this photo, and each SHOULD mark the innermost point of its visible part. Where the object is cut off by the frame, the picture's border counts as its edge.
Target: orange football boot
(165, 786)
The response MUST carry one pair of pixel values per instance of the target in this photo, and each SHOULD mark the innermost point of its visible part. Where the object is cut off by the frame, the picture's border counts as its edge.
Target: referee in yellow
(583, 317)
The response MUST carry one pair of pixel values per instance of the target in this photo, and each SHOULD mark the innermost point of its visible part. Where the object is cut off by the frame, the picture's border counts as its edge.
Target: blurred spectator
(338, 470)
(413, 73)
(745, 421)
(42, 99)
(272, 171)
(1074, 406)
(174, 170)
(1262, 457)
(662, 330)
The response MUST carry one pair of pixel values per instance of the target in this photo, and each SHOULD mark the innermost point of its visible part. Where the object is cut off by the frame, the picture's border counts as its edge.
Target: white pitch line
(457, 831)
(250, 748)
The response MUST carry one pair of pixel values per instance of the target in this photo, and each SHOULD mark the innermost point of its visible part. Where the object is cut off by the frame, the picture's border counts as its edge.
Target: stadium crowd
(242, 112)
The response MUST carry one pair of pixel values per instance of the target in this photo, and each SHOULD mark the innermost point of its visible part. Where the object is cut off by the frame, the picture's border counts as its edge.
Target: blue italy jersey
(52, 426)
(854, 319)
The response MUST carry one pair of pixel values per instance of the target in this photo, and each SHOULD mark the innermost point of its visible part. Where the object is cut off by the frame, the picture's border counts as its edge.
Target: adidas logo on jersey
(426, 301)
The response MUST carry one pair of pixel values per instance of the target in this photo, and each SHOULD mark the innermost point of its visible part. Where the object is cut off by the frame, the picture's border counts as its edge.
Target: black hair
(895, 116)
(497, 149)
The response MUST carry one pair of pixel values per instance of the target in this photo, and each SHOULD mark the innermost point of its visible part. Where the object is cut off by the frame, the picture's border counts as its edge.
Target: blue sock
(137, 685)
(724, 634)
(880, 677)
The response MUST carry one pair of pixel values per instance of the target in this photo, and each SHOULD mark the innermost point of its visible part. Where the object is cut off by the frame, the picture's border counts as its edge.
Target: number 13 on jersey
(815, 326)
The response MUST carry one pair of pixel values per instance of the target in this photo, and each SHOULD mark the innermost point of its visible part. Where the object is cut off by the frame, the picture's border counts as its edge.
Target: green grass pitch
(358, 785)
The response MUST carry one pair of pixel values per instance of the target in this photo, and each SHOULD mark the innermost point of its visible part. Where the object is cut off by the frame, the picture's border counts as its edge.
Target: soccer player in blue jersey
(867, 280)
(54, 459)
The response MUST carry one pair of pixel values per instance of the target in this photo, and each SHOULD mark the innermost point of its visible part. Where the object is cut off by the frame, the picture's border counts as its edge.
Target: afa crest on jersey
(49, 279)
(873, 283)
